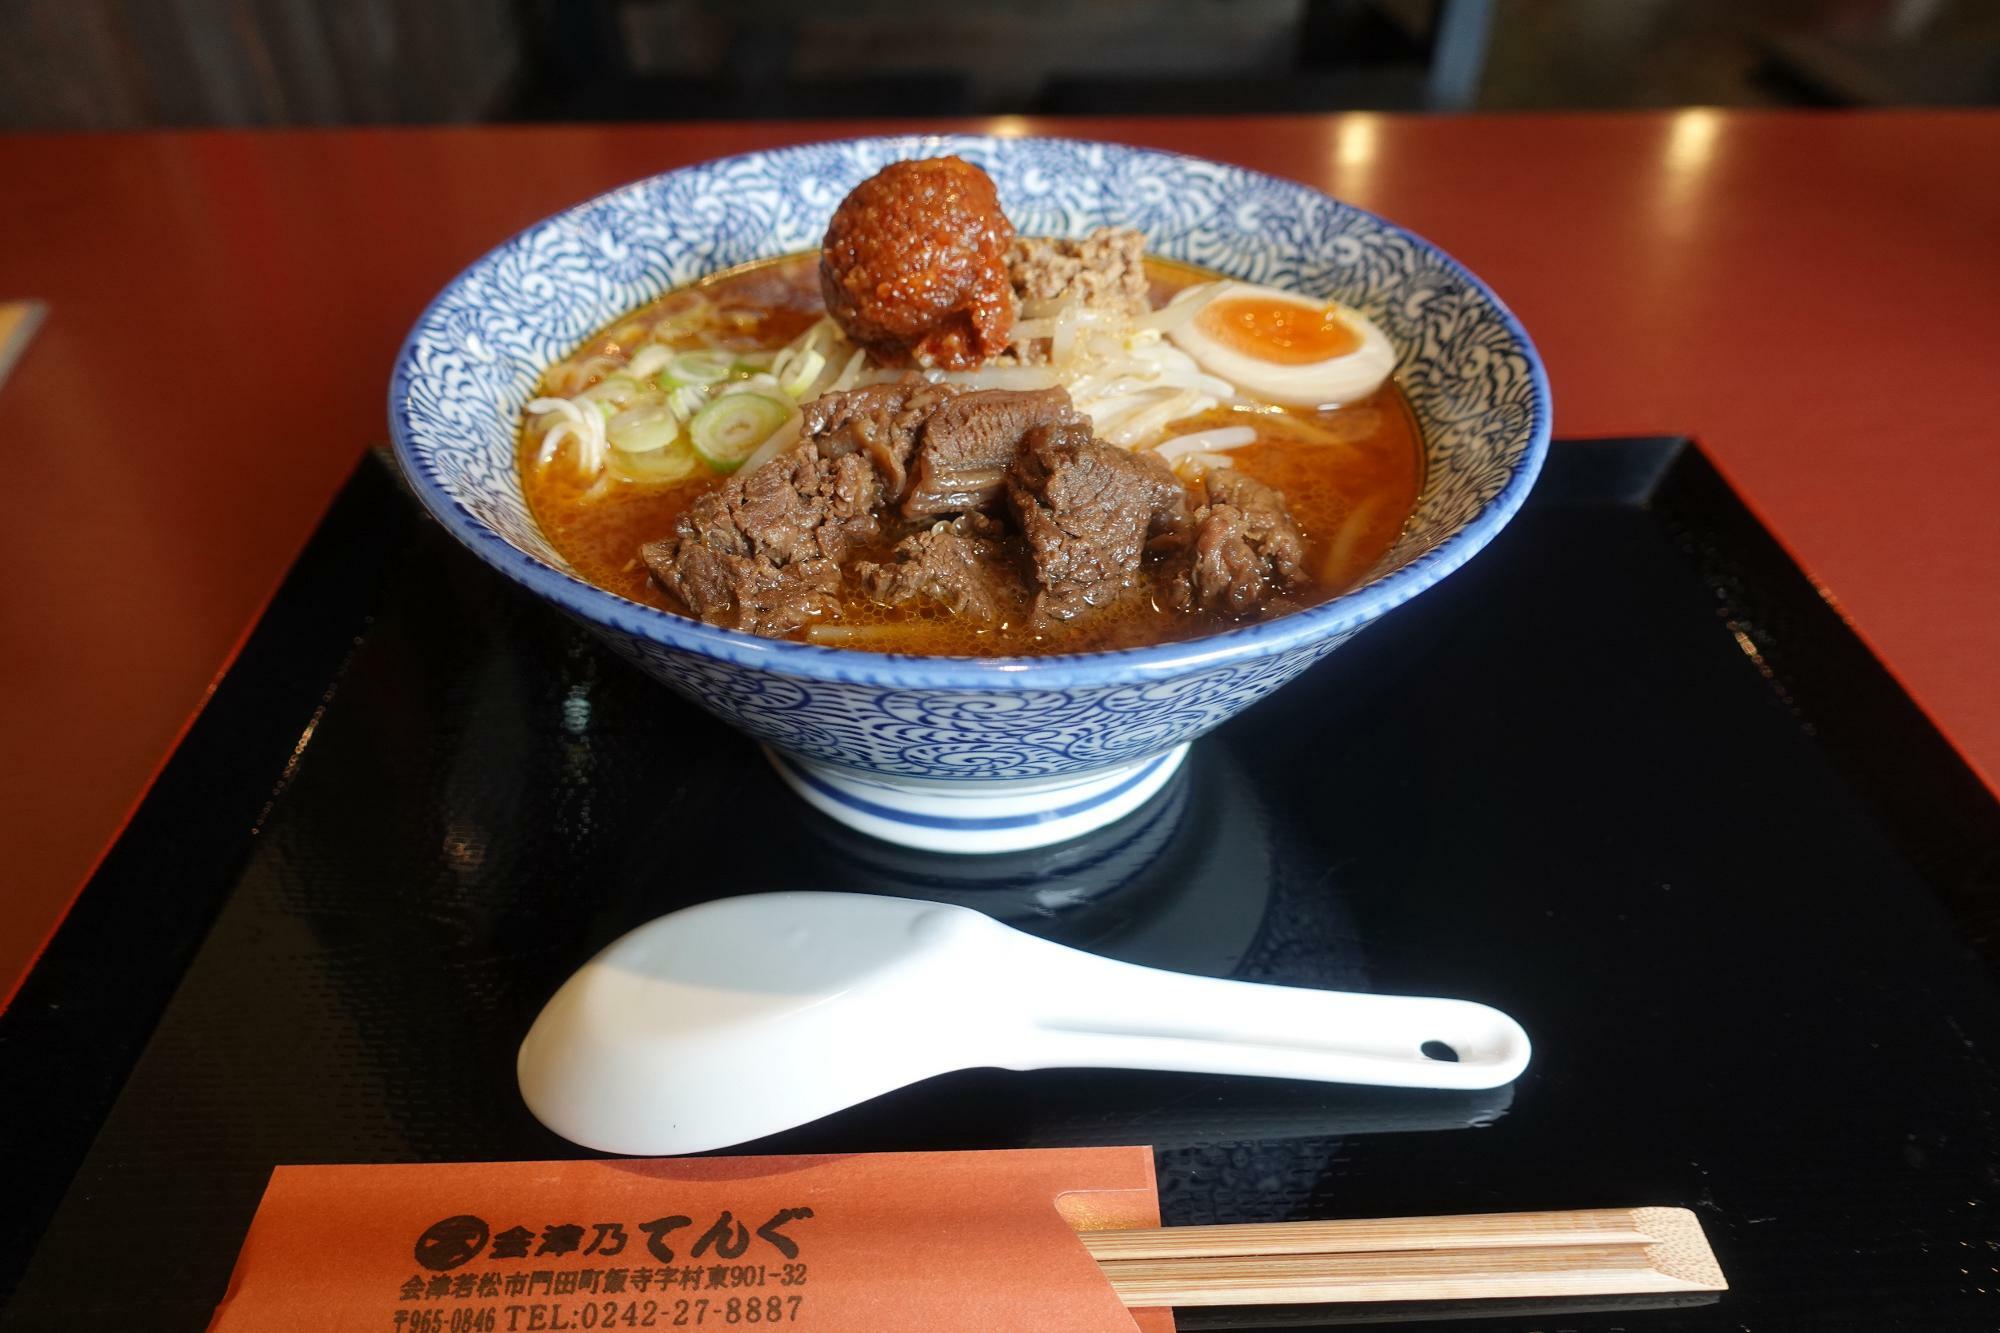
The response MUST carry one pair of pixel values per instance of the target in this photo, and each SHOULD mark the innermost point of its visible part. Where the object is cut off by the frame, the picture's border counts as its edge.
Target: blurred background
(131, 64)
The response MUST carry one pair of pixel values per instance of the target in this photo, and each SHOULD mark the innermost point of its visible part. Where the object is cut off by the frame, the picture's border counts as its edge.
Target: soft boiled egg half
(1297, 350)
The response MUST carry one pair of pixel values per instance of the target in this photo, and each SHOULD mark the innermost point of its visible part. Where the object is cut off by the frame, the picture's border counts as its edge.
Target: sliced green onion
(687, 400)
(729, 429)
(758, 383)
(676, 462)
(643, 427)
(617, 388)
(796, 382)
(649, 361)
(697, 368)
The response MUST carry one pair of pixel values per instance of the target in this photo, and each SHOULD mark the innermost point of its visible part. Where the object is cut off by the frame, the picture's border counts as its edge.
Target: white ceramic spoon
(741, 1017)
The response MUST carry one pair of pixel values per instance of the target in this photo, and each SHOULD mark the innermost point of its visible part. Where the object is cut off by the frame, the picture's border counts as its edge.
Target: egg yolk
(1279, 332)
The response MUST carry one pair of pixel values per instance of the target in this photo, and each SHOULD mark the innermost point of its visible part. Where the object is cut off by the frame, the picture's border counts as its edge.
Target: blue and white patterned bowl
(966, 754)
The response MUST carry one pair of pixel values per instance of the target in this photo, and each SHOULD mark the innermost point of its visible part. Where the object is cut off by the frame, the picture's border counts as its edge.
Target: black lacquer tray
(1626, 776)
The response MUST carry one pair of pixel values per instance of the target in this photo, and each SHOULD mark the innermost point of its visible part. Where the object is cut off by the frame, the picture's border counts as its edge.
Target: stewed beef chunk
(960, 565)
(940, 449)
(762, 552)
(881, 421)
(743, 592)
(1087, 511)
(968, 443)
(1246, 548)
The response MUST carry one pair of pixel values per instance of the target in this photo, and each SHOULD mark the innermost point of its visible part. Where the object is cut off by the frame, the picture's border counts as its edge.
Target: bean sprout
(779, 441)
(649, 361)
(1187, 303)
(1195, 465)
(849, 373)
(1217, 441)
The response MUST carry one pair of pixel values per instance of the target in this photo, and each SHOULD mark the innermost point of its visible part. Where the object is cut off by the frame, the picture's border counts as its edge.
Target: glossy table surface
(341, 973)
(1809, 294)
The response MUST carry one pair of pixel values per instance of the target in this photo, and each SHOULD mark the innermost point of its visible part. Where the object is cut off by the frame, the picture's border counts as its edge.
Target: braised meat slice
(1246, 548)
(1087, 511)
(881, 421)
(968, 443)
(762, 552)
(960, 565)
(1104, 270)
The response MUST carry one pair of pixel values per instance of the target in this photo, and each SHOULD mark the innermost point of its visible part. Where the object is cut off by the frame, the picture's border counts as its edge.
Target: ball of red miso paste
(914, 265)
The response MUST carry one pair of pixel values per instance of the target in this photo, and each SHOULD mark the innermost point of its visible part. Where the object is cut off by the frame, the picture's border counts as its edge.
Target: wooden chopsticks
(1593, 1252)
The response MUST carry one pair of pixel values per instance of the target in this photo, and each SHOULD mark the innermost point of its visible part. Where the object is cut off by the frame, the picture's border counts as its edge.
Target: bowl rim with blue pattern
(1242, 188)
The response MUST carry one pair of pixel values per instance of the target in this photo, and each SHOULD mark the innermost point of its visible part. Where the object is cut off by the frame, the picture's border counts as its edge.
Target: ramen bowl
(967, 754)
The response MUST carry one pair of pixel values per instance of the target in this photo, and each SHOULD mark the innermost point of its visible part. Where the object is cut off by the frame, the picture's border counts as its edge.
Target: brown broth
(1351, 499)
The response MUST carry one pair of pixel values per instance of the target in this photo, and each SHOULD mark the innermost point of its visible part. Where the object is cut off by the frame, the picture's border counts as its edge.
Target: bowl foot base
(976, 817)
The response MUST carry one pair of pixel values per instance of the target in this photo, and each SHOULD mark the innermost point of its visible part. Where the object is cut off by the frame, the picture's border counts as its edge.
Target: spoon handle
(1089, 1011)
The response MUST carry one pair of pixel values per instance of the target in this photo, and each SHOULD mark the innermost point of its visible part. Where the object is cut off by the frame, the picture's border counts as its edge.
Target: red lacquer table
(1809, 294)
